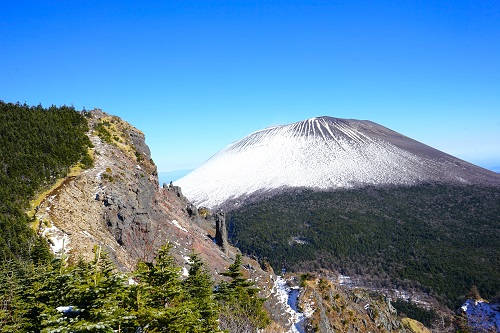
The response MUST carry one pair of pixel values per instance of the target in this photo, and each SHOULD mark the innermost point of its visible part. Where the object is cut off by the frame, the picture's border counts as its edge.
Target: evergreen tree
(10, 309)
(20, 286)
(242, 309)
(199, 286)
(159, 297)
(87, 297)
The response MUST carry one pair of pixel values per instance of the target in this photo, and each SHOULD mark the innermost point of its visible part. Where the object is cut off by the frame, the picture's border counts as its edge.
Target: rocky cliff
(337, 309)
(118, 205)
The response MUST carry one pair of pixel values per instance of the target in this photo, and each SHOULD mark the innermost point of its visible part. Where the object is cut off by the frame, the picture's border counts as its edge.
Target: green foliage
(107, 177)
(103, 133)
(438, 238)
(37, 146)
(94, 297)
(306, 277)
(96, 293)
(160, 298)
(138, 156)
(415, 312)
(87, 162)
(33, 293)
(199, 286)
(242, 308)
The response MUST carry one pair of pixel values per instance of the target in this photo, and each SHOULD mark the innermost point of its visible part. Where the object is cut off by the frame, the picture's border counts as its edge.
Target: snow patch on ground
(344, 280)
(482, 315)
(298, 240)
(58, 240)
(174, 222)
(288, 297)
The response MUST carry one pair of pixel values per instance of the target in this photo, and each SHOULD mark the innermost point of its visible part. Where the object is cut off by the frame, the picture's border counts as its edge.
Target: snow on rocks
(58, 240)
(174, 222)
(482, 316)
(288, 297)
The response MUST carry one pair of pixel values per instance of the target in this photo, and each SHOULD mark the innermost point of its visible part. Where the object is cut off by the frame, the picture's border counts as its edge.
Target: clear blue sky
(195, 76)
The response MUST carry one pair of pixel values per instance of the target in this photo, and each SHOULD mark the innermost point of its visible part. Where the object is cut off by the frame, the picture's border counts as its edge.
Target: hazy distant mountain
(172, 176)
(324, 153)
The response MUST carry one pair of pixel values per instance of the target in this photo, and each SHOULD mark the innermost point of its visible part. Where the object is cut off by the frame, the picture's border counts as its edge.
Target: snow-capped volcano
(323, 153)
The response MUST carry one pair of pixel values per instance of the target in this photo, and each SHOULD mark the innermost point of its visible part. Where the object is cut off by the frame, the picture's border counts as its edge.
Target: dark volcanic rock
(221, 231)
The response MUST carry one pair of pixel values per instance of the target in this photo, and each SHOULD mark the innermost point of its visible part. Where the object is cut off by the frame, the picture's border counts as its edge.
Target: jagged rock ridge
(324, 153)
(118, 205)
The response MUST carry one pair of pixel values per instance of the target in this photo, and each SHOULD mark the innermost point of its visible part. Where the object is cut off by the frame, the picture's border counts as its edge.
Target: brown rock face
(336, 309)
(118, 205)
(112, 204)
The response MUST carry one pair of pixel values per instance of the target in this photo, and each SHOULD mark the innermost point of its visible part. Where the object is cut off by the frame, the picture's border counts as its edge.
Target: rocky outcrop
(118, 205)
(176, 189)
(221, 231)
(337, 309)
(115, 204)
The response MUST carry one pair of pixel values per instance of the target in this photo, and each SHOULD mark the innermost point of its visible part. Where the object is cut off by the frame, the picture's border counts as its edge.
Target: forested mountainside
(441, 239)
(37, 146)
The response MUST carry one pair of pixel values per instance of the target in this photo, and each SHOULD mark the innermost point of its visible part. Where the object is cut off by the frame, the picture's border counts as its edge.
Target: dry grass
(415, 326)
(273, 328)
(73, 172)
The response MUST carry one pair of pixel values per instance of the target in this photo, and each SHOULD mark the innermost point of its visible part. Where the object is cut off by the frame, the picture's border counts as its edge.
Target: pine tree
(199, 286)
(21, 284)
(159, 297)
(237, 278)
(242, 309)
(107, 296)
(10, 316)
(86, 297)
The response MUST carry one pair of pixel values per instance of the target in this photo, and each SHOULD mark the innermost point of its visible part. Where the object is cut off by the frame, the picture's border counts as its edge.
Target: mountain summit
(324, 153)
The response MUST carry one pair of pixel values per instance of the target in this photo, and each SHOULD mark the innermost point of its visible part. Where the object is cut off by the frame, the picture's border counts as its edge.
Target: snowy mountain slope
(323, 153)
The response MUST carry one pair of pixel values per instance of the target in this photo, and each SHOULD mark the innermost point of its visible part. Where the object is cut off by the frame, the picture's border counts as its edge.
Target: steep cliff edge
(118, 205)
